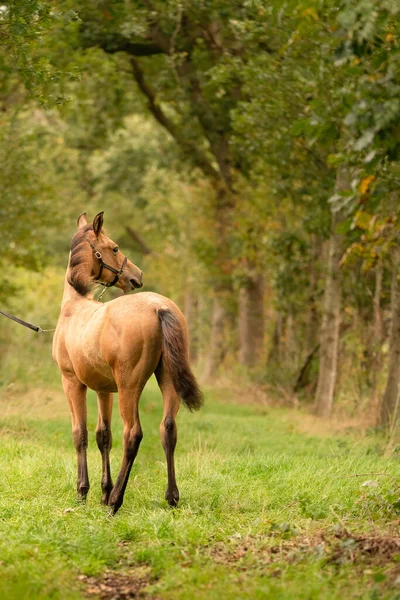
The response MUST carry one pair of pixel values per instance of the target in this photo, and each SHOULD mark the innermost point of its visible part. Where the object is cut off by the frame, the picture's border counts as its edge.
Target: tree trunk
(377, 324)
(303, 377)
(329, 335)
(375, 344)
(191, 312)
(224, 207)
(312, 324)
(390, 401)
(251, 320)
(290, 350)
(216, 349)
(275, 352)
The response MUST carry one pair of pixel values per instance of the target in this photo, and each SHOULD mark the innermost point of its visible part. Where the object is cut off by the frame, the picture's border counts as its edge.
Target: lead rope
(99, 297)
(36, 328)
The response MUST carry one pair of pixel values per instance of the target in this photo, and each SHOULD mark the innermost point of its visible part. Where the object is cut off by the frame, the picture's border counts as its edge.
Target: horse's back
(139, 313)
(134, 334)
(131, 336)
(117, 339)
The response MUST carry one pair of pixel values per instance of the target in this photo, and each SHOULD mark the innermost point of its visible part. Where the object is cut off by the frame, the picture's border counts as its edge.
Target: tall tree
(391, 396)
(192, 95)
(331, 312)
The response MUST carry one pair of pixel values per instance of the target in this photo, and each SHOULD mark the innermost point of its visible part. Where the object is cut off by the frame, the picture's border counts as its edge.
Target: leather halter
(104, 265)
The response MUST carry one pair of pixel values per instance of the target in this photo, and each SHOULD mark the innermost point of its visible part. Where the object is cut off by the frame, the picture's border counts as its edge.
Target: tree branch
(145, 249)
(161, 43)
(117, 43)
(213, 125)
(200, 159)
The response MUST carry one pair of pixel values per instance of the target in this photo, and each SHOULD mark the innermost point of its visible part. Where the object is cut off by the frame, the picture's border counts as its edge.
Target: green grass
(249, 480)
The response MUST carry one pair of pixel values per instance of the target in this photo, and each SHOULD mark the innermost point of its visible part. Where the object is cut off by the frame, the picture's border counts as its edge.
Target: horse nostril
(136, 284)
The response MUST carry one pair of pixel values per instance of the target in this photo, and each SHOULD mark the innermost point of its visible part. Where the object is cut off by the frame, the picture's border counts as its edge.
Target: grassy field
(269, 509)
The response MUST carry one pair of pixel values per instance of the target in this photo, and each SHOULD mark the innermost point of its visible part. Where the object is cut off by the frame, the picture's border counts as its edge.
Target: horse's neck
(71, 295)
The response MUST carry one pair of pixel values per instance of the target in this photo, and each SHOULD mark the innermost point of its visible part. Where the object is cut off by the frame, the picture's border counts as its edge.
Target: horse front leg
(104, 442)
(75, 393)
(129, 409)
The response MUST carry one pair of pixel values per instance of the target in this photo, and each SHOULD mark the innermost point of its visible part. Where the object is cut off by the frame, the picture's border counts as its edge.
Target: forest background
(246, 155)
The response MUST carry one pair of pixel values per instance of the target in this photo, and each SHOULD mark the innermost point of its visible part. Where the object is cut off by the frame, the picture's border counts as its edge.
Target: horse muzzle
(136, 284)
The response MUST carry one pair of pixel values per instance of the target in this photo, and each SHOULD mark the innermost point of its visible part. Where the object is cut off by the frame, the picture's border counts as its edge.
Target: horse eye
(115, 250)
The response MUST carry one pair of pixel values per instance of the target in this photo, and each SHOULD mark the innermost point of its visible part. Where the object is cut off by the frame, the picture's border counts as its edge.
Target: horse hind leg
(104, 442)
(75, 393)
(168, 430)
(128, 400)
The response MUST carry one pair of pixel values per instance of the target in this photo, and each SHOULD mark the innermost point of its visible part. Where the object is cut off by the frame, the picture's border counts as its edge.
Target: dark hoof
(114, 504)
(105, 499)
(82, 494)
(114, 508)
(172, 498)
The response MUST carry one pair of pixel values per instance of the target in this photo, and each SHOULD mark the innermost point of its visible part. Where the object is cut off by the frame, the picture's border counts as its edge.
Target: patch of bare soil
(114, 585)
(343, 547)
(378, 550)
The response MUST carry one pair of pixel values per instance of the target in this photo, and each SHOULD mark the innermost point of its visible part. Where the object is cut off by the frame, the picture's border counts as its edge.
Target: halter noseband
(104, 265)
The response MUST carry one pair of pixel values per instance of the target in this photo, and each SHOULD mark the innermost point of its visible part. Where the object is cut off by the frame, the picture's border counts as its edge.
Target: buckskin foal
(115, 347)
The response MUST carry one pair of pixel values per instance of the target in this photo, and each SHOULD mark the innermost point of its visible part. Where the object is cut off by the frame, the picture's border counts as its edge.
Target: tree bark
(191, 313)
(375, 342)
(390, 400)
(329, 335)
(289, 340)
(377, 325)
(216, 349)
(303, 376)
(312, 324)
(251, 320)
(275, 352)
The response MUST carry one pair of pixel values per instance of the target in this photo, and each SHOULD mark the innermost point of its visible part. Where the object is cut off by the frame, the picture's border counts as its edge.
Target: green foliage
(27, 206)
(275, 99)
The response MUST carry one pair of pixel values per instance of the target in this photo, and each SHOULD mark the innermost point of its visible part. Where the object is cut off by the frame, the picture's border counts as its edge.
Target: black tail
(176, 361)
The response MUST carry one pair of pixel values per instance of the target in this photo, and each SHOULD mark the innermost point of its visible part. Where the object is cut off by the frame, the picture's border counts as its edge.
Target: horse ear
(98, 223)
(82, 221)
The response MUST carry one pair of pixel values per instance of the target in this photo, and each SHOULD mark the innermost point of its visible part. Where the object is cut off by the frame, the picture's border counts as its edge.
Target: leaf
(362, 220)
(370, 156)
(334, 198)
(334, 160)
(365, 184)
(298, 127)
(365, 140)
(344, 226)
(310, 12)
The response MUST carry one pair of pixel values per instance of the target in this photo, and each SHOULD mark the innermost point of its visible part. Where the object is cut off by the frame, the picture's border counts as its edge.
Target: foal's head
(95, 257)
